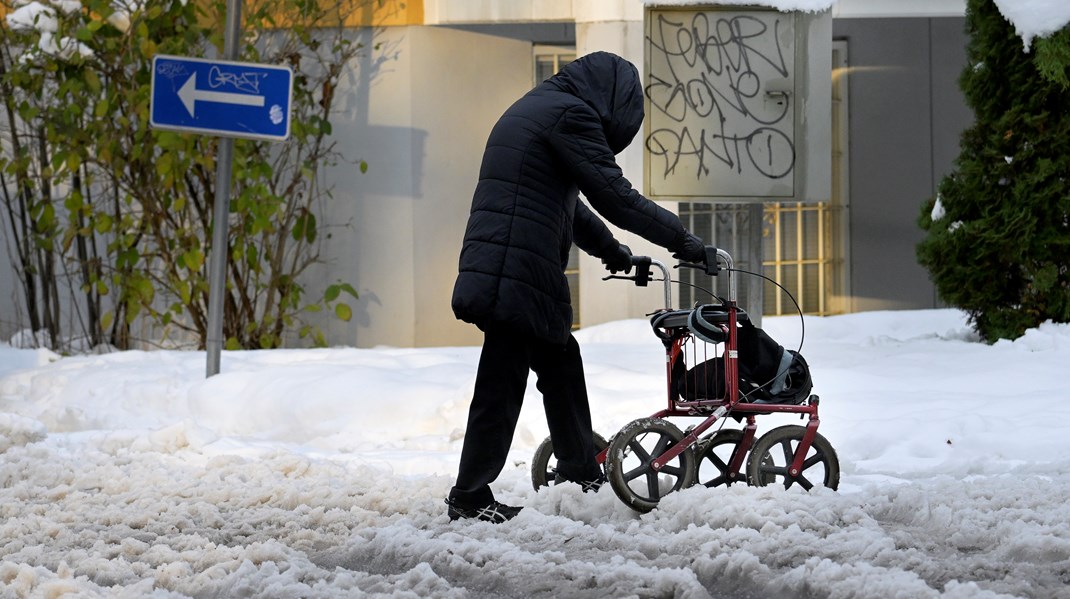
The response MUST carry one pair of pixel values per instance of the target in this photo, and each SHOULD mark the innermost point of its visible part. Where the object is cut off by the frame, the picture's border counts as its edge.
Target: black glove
(691, 250)
(619, 259)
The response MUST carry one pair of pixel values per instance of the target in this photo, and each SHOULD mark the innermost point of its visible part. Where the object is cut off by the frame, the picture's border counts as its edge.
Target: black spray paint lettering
(709, 90)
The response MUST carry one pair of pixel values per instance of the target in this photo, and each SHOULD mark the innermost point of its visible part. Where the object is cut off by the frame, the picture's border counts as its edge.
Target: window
(549, 60)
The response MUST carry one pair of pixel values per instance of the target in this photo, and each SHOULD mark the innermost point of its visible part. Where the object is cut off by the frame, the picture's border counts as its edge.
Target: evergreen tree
(1053, 56)
(997, 239)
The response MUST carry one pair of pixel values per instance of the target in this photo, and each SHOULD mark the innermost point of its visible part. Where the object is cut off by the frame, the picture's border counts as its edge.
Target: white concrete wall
(443, 12)
(374, 251)
(446, 12)
(611, 25)
(850, 9)
(418, 110)
(617, 26)
(422, 125)
(470, 80)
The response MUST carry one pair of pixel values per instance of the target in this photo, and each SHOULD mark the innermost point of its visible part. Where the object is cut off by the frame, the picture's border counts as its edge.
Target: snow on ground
(321, 473)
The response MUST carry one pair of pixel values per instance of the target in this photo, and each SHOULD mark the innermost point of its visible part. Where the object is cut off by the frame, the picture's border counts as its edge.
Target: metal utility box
(738, 104)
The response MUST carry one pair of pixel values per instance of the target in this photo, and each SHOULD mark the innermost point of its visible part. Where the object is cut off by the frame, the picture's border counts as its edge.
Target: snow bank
(321, 473)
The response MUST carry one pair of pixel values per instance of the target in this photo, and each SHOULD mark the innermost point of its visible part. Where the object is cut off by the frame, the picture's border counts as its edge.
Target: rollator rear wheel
(714, 454)
(628, 463)
(772, 455)
(544, 463)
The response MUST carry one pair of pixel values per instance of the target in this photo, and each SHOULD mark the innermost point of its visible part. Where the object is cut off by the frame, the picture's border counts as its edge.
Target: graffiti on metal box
(719, 87)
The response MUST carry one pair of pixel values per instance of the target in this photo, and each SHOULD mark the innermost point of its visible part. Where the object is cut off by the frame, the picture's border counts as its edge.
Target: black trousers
(501, 380)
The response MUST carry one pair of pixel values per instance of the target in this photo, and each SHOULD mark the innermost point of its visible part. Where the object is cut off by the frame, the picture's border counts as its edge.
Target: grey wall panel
(899, 87)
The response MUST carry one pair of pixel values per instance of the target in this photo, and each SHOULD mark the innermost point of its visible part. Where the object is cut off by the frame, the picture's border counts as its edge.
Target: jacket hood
(610, 85)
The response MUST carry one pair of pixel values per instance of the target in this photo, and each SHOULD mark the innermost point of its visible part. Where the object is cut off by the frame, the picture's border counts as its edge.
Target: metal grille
(792, 243)
(799, 254)
(735, 228)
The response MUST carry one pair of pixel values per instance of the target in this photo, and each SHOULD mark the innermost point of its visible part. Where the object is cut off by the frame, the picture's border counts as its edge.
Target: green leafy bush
(121, 212)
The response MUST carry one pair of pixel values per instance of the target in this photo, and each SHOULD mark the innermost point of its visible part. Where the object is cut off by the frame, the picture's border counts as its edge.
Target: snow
(1035, 18)
(938, 210)
(33, 15)
(321, 473)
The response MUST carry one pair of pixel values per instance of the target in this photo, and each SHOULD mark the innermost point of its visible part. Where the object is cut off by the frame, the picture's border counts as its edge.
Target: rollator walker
(714, 373)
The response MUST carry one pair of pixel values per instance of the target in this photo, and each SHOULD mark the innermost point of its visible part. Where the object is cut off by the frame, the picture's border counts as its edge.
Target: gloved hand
(619, 260)
(691, 250)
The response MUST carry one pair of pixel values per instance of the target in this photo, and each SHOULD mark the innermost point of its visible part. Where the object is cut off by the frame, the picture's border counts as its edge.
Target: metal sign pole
(217, 277)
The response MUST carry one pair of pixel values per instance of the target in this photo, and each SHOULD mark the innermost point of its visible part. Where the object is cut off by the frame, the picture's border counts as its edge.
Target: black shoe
(494, 512)
(593, 485)
(586, 485)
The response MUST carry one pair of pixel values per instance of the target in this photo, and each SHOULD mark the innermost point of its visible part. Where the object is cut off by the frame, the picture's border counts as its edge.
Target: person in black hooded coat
(555, 141)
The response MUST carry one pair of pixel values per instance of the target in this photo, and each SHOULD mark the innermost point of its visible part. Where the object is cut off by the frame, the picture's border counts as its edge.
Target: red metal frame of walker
(671, 326)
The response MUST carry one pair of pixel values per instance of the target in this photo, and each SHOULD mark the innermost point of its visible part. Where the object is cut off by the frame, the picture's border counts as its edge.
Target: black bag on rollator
(768, 373)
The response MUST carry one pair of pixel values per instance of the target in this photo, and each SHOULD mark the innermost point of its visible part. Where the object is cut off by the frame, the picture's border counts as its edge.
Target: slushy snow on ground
(321, 473)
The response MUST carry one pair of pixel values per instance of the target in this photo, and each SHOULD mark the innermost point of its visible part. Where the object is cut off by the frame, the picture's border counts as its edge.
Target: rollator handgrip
(710, 266)
(642, 270)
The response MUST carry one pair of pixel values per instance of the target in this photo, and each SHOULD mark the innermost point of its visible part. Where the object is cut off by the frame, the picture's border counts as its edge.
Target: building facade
(422, 104)
(419, 103)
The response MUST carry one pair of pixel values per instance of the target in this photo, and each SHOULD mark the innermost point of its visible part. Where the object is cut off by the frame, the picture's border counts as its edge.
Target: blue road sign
(218, 97)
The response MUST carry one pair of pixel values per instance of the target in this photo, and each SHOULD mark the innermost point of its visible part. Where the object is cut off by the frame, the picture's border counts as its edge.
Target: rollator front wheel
(544, 463)
(629, 463)
(771, 458)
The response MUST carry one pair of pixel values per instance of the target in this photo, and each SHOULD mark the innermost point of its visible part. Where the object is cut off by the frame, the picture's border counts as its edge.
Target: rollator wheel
(774, 452)
(544, 464)
(628, 463)
(714, 454)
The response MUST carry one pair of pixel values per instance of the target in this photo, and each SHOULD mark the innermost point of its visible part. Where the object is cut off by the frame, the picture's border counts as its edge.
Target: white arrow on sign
(189, 94)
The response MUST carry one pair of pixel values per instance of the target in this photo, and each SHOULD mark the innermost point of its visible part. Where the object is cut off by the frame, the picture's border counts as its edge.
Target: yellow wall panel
(353, 13)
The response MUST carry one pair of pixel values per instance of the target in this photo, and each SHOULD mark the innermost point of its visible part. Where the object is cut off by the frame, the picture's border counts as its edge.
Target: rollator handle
(642, 270)
(710, 265)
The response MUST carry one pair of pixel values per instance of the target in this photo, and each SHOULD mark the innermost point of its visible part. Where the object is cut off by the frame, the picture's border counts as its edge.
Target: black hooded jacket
(559, 138)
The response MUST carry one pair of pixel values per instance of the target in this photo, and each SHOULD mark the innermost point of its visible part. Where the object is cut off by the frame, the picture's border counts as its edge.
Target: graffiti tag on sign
(719, 86)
